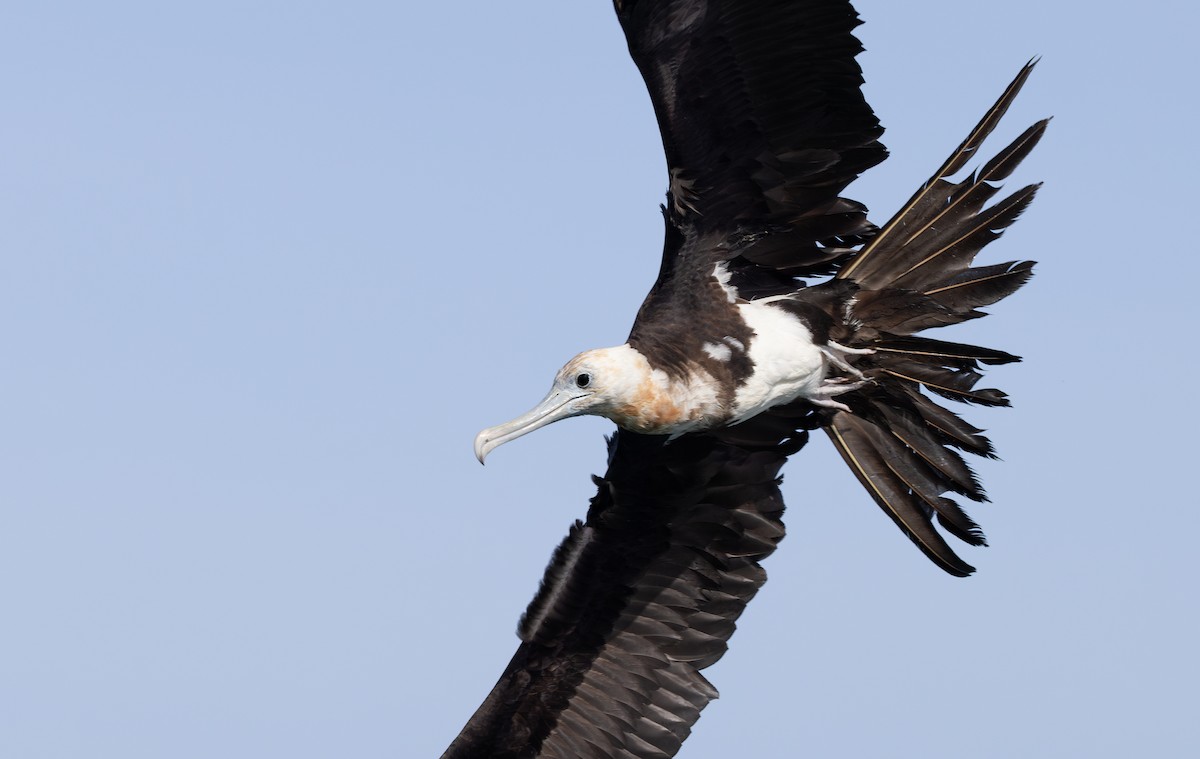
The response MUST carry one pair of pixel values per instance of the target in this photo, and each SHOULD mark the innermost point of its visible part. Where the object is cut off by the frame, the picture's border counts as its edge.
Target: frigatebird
(778, 309)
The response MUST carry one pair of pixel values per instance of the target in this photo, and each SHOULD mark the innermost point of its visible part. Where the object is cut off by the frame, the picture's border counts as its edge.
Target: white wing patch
(722, 275)
(718, 351)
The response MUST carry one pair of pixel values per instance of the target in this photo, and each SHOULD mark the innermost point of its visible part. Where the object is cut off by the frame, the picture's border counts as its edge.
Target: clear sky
(266, 268)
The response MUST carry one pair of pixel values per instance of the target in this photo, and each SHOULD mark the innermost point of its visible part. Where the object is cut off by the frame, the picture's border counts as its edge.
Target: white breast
(787, 365)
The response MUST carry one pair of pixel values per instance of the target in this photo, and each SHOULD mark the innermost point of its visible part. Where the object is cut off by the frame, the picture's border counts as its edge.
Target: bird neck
(649, 401)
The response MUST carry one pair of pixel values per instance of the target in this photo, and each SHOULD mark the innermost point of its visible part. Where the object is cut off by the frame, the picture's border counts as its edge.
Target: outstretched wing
(762, 120)
(763, 123)
(636, 601)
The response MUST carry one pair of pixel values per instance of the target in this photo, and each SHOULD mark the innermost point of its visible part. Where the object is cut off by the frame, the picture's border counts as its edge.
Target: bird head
(603, 382)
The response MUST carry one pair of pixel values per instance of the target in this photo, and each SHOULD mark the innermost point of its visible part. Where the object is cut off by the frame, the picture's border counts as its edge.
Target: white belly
(787, 365)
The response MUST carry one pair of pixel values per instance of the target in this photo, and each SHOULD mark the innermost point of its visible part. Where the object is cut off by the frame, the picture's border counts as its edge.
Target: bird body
(778, 309)
(786, 363)
(779, 358)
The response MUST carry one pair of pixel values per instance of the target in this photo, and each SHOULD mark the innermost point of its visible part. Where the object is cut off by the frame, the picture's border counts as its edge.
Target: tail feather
(959, 158)
(941, 254)
(955, 474)
(859, 443)
(955, 384)
(946, 353)
(917, 274)
(1006, 161)
(945, 201)
(950, 428)
(981, 285)
(959, 524)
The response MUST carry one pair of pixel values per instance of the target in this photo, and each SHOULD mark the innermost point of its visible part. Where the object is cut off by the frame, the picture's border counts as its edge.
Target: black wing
(763, 122)
(760, 109)
(636, 601)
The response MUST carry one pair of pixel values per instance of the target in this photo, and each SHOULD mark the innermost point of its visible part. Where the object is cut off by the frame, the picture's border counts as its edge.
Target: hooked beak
(559, 404)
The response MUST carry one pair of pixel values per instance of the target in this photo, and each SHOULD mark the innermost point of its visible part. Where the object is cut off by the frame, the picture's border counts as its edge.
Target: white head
(610, 382)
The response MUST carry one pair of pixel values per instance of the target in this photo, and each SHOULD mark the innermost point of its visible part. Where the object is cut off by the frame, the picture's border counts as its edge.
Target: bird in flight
(779, 309)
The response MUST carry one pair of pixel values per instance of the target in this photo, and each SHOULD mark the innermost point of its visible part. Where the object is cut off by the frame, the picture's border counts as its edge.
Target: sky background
(266, 268)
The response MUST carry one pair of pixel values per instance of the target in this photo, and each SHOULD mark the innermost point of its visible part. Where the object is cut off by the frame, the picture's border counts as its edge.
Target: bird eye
(583, 380)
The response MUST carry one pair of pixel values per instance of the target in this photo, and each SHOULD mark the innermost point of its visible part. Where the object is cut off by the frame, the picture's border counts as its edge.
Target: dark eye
(583, 380)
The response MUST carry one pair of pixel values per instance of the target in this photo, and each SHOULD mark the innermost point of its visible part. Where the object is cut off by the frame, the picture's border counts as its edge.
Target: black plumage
(763, 126)
(916, 274)
(637, 599)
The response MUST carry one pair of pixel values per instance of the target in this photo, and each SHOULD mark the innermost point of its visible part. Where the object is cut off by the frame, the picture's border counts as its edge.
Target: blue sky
(265, 269)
